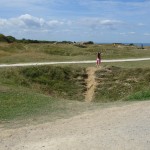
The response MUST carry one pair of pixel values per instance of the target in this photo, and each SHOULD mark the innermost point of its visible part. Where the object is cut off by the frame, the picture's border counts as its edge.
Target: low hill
(8, 39)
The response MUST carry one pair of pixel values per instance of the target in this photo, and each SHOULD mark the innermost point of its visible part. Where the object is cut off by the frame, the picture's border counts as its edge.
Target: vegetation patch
(63, 82)
(28, 106)
(32, 92)
(116, 83)
(55, 91)
(18, 52)
(141, 95)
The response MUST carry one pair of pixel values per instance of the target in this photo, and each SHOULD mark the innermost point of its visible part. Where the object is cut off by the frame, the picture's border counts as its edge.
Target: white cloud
(53, 23)
(28, 21)
(100, 23)
(31, 21)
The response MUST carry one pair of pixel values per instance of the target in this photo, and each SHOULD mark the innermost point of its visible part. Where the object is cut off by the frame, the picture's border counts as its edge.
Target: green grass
(63, 82)
(136, 64)
(17, 104)
(19, 107)
(138, 96)
(41, 92)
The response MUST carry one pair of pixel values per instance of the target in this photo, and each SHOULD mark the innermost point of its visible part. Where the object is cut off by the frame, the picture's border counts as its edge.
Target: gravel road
(120, 127)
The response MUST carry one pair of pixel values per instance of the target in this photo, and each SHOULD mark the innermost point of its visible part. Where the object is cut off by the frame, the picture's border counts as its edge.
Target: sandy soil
(91, 84)
(115, 128)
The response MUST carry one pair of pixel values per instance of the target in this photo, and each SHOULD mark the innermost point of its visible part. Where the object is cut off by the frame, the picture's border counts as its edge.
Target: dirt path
(69, 62)
(125, 127)
(91, 84)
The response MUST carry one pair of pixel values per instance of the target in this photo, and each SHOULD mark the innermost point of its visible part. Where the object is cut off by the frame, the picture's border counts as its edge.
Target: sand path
(70, 62)
(91, 84)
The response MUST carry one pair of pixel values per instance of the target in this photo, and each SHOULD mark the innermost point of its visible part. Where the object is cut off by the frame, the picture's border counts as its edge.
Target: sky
(102, 21)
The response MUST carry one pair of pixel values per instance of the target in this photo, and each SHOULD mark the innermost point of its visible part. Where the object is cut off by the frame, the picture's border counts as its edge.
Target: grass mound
(48, 90)
(63, 82)
(40, 91)
(116, 83)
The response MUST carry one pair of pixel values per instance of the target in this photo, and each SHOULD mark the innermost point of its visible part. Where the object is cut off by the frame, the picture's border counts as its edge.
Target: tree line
(11, 39)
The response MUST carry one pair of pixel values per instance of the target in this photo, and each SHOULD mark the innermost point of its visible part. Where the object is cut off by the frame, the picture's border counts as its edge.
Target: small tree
(11, 39)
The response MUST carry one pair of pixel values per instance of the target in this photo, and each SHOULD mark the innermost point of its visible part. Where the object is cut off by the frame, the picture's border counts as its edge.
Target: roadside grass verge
(18, 104)
(115, 83)
(20, 107)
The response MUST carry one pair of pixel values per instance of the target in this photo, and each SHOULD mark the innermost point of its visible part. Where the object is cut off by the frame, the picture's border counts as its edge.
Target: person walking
(98, 60)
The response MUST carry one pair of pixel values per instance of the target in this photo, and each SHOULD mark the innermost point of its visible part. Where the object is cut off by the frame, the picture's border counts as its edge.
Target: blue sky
(77, 20)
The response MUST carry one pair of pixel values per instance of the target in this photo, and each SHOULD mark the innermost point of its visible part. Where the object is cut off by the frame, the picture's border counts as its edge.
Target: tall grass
(38, 91)
(21, 52)
(55, 81)
(116, 83)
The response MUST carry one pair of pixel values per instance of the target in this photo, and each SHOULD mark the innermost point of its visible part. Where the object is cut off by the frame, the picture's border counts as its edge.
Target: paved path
(69, 62)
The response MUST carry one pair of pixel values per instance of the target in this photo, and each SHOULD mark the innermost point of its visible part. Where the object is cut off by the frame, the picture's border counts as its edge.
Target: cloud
(100, 23)
(28, 21)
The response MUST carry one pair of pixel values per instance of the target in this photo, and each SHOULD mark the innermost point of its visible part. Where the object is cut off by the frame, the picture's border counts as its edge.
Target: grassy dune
(58, 91)
(63, 82)
(40, 91)
(115, 83)
(21, 52)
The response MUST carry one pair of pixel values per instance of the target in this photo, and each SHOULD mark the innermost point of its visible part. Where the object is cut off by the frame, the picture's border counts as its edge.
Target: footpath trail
(69, 62)
(91, 84)
(122, 127)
